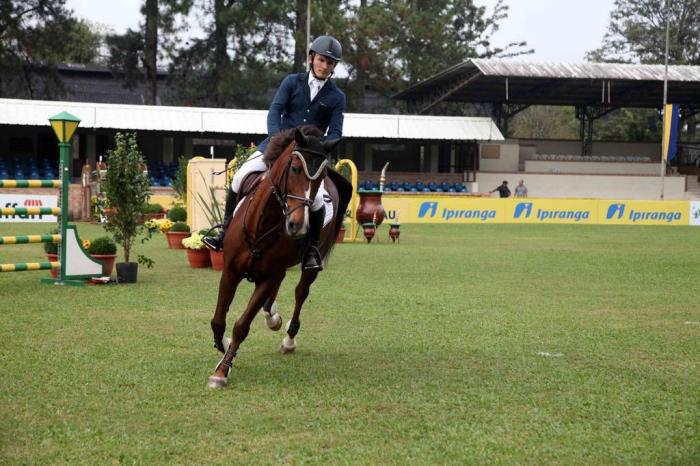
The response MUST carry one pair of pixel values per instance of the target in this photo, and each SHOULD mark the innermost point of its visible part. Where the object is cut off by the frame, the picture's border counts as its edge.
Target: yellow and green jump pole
(81, 265)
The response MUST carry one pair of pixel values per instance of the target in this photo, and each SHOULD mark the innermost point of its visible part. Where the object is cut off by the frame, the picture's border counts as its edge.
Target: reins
(255, 242)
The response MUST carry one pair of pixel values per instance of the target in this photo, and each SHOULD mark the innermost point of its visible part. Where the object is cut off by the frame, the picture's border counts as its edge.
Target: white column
(368, 157)
(433, 158)
(91, 150)
(167, 150)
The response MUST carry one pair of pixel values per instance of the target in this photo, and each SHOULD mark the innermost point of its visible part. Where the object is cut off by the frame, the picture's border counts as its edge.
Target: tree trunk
(361, 66)
(300, 36)
(150, 58)
(220, 45)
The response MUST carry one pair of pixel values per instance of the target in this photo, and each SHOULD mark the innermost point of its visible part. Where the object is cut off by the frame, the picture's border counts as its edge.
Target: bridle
(279, 191)
(282, 195)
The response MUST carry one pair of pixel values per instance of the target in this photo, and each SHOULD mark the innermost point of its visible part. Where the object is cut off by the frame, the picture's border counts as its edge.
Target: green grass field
(463, 344)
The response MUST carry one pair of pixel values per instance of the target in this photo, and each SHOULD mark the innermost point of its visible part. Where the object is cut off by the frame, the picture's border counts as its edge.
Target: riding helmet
(328, 46)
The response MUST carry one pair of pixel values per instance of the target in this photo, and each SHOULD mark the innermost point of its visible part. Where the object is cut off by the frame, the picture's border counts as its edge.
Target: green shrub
(51, 248)
(180, 226)
(153, 209)
(103, 245)
(177, 214)
(214, 232)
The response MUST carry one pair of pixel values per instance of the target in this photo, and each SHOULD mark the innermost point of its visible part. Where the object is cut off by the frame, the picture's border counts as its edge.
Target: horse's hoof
(287, 347)
(274, 322)
(216, 382)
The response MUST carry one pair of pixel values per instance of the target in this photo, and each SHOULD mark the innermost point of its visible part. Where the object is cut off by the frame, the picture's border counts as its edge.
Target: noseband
(282, 195)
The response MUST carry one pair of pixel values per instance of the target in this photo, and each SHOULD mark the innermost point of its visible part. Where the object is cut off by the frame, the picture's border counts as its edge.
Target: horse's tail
(344, 190)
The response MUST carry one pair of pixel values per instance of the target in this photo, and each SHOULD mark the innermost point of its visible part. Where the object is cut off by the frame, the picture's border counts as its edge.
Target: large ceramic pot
(199, 258)
(53, 258)
(175, 239)
(107, 262)
(370, 208)
(217, 259)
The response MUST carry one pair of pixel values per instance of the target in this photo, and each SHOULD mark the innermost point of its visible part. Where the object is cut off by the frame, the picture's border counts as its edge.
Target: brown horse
(266, 234)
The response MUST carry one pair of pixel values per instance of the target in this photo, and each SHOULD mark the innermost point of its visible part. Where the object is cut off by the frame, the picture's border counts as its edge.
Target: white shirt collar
(314, 81)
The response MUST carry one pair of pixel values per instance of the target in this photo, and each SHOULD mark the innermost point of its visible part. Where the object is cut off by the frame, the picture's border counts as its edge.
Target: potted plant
(216, 257)
(51, 250)
(153, 211)
(126, 192)
(177, 214)
(104, 249)
(177, 232)
(197, 254)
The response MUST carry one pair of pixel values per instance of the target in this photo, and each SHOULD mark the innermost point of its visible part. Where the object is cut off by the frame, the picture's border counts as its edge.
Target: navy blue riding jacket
(292, 107)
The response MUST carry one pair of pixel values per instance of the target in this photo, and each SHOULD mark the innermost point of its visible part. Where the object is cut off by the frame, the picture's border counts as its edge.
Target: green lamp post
(64, 125)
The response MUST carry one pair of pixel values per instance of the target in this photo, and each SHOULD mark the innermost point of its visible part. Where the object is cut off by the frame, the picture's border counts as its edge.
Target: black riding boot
(312, 256)
(217, 242)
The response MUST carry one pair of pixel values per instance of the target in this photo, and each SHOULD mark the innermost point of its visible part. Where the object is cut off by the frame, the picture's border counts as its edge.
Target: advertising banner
(480, 210)
(28, 200)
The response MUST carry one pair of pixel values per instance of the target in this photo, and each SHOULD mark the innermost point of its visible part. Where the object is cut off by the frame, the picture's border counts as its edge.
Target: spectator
(520, 190)
(503, 190)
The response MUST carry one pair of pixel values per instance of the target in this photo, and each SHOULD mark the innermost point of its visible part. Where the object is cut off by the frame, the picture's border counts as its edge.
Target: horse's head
(297, 174)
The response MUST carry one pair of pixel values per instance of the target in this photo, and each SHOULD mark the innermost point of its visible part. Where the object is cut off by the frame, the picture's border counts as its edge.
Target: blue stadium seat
(420, 185)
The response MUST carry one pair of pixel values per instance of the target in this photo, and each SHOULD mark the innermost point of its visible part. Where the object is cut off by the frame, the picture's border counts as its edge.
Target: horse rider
(302, 98)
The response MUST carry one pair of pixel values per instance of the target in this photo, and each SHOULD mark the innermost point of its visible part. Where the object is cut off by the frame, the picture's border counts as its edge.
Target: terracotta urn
(394, 231)
(199, 258)
(369, 229)
(370, 208)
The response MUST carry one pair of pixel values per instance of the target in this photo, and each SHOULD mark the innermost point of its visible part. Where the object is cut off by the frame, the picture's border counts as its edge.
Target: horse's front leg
(240, 331)
(227, 289)
(272, 317)
(289, 343)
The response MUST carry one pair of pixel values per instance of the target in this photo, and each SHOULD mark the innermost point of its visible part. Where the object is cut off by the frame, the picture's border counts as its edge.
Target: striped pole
(24, 239)
(30, 183)
(30, 211)
(26, 266)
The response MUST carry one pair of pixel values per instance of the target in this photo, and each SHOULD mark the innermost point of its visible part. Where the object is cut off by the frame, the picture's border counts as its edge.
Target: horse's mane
(280, 141)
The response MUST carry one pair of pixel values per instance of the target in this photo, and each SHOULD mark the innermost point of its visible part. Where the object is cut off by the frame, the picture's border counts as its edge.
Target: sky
(558, 30)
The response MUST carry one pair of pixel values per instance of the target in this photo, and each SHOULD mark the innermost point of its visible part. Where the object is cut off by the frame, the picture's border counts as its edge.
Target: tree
(637, 34)
(30, 51)
(394, 44)
(126, 189)
(144, 47)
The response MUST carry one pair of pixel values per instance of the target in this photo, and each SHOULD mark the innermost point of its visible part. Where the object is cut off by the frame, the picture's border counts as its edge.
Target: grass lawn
(463, 344)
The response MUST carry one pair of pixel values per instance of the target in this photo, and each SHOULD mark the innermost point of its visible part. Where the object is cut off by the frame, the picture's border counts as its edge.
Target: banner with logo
(695, 213)
(456, 209)
(28, 200)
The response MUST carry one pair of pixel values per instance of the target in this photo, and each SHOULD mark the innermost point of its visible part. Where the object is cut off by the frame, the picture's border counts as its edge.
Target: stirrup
(312, 254)
(212, 243)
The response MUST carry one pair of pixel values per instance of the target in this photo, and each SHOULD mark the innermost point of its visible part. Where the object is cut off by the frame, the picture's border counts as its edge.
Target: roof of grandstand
(530, 83)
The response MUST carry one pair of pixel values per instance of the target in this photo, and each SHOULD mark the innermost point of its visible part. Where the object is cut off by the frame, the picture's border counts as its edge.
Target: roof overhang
(523, 83)
(236, 121)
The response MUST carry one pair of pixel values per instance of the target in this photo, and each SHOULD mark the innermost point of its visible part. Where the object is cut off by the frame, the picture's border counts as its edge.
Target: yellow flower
(86, 244)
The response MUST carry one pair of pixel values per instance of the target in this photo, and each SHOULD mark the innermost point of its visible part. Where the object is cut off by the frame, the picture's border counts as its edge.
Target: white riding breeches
(255, 163)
